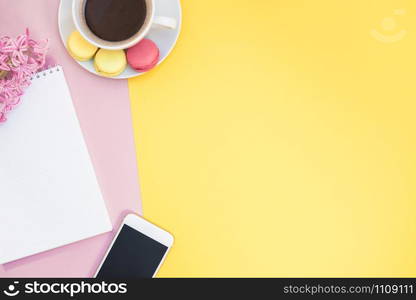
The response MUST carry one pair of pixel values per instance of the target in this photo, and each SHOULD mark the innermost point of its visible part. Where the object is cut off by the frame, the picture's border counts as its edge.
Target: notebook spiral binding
(48, 70)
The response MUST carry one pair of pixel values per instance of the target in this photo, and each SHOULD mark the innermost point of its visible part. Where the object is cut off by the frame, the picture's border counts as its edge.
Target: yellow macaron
(110, 63)
(79, 48)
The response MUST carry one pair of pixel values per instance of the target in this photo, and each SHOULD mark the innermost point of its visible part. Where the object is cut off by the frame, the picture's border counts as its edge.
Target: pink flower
(21, 58)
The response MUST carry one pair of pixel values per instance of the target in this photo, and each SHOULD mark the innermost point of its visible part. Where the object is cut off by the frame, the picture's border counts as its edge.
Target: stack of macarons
(110, 63)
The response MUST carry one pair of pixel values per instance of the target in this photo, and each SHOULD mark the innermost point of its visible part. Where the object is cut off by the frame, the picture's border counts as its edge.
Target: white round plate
(165, 39)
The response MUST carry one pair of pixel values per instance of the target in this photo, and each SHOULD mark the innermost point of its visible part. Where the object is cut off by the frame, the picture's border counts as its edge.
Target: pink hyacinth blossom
(20, 59)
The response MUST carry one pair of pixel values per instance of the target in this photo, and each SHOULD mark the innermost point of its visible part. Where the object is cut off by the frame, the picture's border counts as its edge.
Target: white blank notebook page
(49, 195)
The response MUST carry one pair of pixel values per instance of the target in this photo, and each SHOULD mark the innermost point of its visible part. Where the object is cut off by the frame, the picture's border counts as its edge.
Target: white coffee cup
(78, 15)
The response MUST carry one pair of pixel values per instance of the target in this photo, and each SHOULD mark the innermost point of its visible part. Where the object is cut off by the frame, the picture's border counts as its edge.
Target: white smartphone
(137, 251)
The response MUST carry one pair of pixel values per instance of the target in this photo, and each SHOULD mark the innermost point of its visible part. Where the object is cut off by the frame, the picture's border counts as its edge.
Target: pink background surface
(103, 108)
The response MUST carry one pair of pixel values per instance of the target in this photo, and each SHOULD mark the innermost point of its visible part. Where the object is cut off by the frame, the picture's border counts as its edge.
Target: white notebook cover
(49, 195)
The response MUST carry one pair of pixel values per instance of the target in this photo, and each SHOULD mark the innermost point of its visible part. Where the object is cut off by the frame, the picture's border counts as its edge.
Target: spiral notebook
(49, 195)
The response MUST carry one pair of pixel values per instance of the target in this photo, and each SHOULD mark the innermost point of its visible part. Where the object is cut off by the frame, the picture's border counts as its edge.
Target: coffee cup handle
(164, 22)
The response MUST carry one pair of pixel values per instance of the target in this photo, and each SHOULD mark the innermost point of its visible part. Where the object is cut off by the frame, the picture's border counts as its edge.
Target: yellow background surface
(278, 139)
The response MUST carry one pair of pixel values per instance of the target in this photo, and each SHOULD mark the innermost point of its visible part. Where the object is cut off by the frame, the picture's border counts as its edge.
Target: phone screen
(133, 255)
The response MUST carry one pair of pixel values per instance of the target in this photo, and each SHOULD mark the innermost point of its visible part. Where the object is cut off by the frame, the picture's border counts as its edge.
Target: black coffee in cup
(115, 20)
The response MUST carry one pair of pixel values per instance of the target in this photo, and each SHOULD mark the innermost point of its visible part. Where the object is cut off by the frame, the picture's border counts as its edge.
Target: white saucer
(165, 39)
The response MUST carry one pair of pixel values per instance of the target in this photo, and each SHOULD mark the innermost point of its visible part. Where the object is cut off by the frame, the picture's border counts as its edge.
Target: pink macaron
(143, 56)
